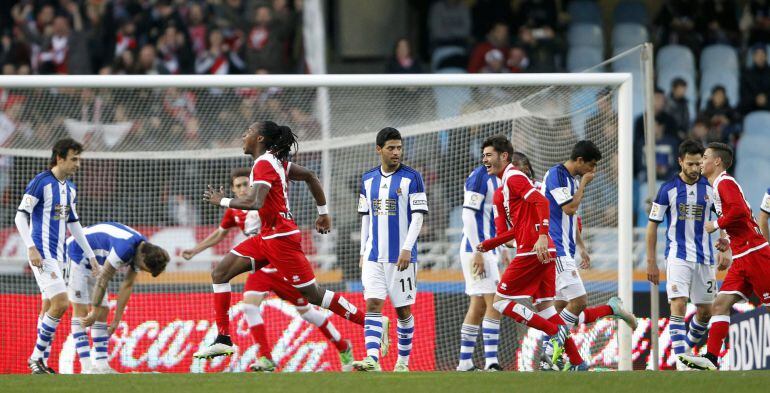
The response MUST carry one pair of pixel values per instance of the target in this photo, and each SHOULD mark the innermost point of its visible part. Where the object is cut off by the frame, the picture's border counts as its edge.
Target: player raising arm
(764, 215)
(278, 242)
(750, 270)
(46, 211)
(117, 247)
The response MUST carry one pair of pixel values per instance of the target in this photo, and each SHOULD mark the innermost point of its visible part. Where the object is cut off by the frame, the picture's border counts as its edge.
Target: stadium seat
(675, 57)
(585, 34)
(628, 35)
(630, 12)
(751, 154)
(714, 77)
(582, 11)
(450, 100)
(757, 123)
(580, 58)
(444, 53)
(633, 65)
(719, 57)
(666, 76)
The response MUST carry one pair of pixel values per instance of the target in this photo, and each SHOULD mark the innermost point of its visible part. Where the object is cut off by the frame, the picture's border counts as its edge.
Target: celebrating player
(750, 268)
(48, 205)
(264, 280)
(685, 202)
(117, 247)
(392, 204)
(764, 215)
(480, 270)
(531, 274)
(278, 242)
(564, 193)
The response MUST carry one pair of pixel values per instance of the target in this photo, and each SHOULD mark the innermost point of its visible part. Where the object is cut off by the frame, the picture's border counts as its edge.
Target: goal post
(531, 109)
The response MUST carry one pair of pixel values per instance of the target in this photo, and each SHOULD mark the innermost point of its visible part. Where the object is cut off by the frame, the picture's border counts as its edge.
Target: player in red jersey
(530, 275)
(278, 242)
(750, 270)
(265, 280)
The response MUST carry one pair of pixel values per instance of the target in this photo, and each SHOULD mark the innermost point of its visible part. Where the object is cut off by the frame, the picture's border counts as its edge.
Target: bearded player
(278, 242)
(265, 280)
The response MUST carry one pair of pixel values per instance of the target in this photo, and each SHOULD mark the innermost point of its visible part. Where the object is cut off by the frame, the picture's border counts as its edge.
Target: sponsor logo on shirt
(385, 207)
(61, 212)
(690, 212)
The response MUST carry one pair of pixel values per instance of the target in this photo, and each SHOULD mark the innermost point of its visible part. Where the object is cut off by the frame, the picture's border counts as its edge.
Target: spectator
(219, 59)
(402, 62)
(676, 25)
(497, 38)
(659, 106)
(263, 49)
(717, 22)
(678, 107)
(517, 59)
(542, 48)
(125, 39)
(175, 52)
(61, 50)
(230, 14)
(148, 62)
(494, 63)
(755, 82)
(755, 22)
(449, 23)
(722, 118)
(486, 14)
(700, 131)
(197, 29)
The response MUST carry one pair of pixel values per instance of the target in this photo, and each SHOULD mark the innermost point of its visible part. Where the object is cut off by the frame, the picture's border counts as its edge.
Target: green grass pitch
(444, 382)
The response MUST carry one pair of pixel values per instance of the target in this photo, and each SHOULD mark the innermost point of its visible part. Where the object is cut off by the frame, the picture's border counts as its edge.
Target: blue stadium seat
(720, 57)
(757, 123)
(630, 12)
(580, 58)
(751, 154)
(628, 35)
(675, 57)
(667, 75)
(582, 11)
(728, 79)
(450, 100)
(585, 34)
(445, 52)
(633, 65)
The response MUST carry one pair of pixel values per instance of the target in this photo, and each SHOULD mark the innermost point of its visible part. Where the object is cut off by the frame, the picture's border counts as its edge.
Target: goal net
(153, 145)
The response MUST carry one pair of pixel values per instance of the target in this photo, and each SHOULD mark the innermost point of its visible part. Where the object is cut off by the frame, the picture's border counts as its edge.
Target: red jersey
(526, 210)
(276, 217)
(735, 216)
(246, 220)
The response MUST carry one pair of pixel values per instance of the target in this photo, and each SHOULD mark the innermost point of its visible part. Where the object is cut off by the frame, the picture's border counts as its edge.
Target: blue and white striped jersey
(686, 207)
(479, 194)
(50, 204)
(112, 242)
(765, 206)
(390, 199)
(559, 187)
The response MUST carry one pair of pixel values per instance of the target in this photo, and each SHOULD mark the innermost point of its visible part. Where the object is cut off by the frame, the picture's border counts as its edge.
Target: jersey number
(403, 284)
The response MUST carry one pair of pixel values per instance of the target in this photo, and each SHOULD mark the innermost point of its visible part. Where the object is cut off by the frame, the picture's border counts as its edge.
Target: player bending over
(46, 211)
(531, 274)
(686, 201)
(267, 279)
(278, 242)
(564, 193)
(764, 215)
(392, 204)
(750, 270)
(117, 247)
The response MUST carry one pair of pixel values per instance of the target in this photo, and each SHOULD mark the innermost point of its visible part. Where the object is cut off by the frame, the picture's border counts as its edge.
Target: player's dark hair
(690, 146)
(239, 172)
(722, 151)
(155, 258)
(62, 147)
(587, 150)
(387, 134)
(521, 161)
(500, 143)
(279, 140)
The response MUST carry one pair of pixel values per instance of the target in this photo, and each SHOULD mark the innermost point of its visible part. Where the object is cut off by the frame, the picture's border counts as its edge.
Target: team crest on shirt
(398, 191)
(674, 288)
(53, 275)
(77, 294)
(476, 198)
(62, 211)
(295, 278)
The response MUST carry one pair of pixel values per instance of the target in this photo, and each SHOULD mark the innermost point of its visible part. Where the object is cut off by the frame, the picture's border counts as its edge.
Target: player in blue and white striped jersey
(392, 204)
(46, 211)
(117, 247)
(480, 270)
(764, 215)
(685, 202)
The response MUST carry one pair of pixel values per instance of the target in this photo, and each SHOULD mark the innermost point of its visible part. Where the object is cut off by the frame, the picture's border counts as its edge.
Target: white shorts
(50, 278)
(480, 285)
(691, 280)
(80, 285)
(569, 285)
(383, 280)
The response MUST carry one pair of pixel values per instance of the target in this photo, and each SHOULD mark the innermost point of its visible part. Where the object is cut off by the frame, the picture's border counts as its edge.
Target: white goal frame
(623, 81)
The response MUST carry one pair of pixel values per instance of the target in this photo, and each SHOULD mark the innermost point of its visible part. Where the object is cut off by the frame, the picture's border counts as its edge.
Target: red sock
(333, 336)
(717, 336)
(221, 306)
(340, 306)
(536, 321)
(260, 337)
(569, 346)
(591, 314)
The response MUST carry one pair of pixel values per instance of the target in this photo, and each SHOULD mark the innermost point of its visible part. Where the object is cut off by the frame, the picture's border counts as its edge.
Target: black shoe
(494, 367)
(38, 366)
(50, 370)
(222, 339)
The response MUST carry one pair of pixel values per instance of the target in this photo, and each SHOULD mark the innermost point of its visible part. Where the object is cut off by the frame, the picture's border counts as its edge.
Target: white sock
(405, 333)
(373, 334)
(82, 346)
(46, 329)
(468, 335)
(490, 328)
(101, 342)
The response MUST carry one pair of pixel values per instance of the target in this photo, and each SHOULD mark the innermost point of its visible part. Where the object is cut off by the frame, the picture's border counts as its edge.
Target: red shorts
(748, 273)
(266, 280)
(526, 277)
(284, 253)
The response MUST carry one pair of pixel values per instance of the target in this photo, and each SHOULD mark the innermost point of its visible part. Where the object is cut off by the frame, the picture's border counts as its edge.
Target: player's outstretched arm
(323, 223)
(211, 240)
(123, 295)
(253, 201)
(100, 290)
(653, 273)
